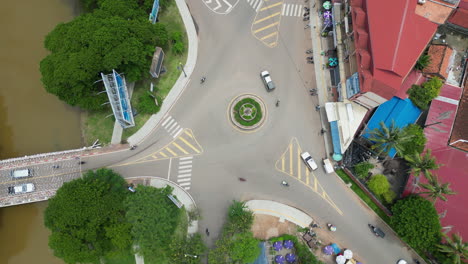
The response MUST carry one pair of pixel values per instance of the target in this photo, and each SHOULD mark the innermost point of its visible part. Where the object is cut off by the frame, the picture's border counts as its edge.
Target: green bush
(178, 47)
(423, 62)
(389, 196)
(417, 142)
(362, 169)
(147, 105)
(378, 184)
(176, 36)
(421, 95)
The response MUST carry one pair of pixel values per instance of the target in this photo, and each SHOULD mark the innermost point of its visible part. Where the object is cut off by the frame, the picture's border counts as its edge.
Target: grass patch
(94, 124)
(363, 196)
(257, 117)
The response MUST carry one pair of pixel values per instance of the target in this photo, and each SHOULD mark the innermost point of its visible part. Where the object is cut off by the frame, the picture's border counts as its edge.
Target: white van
(21, 173)
(23, 188)
(328, 166)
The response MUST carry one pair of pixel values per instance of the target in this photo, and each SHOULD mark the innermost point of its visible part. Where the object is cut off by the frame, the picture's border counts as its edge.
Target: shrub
(362, 169)
(422, 62)
(379, 184)
(178, 47)
(421, 95)
(389, 196)
(176, 36)
(417, 142)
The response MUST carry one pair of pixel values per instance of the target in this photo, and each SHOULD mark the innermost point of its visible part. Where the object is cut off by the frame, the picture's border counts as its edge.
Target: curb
(181, 82)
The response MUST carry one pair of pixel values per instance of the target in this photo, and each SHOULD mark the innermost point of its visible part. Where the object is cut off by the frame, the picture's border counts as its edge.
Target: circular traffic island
(247, 112)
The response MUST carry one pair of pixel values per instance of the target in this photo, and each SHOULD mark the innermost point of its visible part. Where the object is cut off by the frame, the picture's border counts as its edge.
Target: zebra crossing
(292, 10)
(171, 126)
(184, 176)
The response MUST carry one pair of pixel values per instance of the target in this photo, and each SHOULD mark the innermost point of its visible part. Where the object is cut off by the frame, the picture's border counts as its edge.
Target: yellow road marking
(282, 164)
(187, 132)
(269, 35)
(170, 150)
(154, 156)
(270, 6)
(180, 148)
(265, 27)
(272, 44)
(290, 161)
(315, 183)
(163, 154)
(265, 18)
(188, 144)
(298, 164)
(307, 179)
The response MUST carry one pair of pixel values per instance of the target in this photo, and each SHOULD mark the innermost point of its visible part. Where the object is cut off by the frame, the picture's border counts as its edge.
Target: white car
(22, 188)
(309, 160)
(270, 85)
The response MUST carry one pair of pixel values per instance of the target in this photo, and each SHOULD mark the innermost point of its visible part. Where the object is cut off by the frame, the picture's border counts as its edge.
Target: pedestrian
(207, 232)
(317, 107)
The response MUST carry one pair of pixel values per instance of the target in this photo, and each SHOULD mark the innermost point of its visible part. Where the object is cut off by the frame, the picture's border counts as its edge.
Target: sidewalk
(182, 196)
(178, 87)
(282, 211)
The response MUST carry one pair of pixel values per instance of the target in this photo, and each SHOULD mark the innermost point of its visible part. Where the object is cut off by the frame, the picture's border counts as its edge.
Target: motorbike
(310, 58)
(285, 183)
(306, 9)
(377, 231)
(203, 79)
(309, 51)
(132, 147)
(305, 19)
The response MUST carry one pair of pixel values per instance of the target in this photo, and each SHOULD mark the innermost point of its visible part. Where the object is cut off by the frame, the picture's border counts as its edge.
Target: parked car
(309, 161)
(22, 188)
(22, 173)
(270, 85)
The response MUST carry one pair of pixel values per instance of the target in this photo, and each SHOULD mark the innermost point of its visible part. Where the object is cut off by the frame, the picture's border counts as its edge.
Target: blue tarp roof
(335, 137)
(403, 112)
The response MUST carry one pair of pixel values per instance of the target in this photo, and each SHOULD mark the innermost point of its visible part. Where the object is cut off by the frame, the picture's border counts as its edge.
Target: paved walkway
(178, 87)
(184, 198)
(282, 211)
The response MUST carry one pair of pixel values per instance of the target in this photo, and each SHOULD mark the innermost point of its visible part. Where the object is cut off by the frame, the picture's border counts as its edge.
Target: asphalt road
(232, 52)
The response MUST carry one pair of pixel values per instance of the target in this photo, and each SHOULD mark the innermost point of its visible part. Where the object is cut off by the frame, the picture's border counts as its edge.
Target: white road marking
(167, 120)
(178, 132)
(186, 158)
(183, 179)
(185, 167)
(185, 162)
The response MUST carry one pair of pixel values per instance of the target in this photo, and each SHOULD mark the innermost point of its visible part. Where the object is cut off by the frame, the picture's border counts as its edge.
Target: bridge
(48, 173)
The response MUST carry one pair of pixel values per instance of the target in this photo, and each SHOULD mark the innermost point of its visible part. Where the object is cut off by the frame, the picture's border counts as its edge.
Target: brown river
(31, 120)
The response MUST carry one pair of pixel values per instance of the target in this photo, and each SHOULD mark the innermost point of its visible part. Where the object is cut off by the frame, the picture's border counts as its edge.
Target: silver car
(309, 161)
(270, 85)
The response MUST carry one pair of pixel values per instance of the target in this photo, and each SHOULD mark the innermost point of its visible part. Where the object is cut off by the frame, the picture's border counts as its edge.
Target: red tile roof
(460, 16)
(397, 37)
(440, 57)
(453, 161)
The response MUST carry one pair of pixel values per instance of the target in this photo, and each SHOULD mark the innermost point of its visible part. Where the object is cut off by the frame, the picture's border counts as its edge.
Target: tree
(154, 218)
(240, 217)
(378, 184)
(387, 138)
(417, 142)
(86, 217)
(114, 37)
(416, 221)
(455, 248)
(187, 250)
(362, 169)
(244, 248)
(422, 163)
(423, 62)
(421, 95)
(435, 190)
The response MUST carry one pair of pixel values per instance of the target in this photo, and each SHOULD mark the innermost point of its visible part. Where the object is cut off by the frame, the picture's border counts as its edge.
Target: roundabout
(247, 112)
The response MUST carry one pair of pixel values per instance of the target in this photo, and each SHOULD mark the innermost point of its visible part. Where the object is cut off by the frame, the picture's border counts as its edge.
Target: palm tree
(423, 62)
(422, 164)
(386, 138)
(455, 248)
(435, 190)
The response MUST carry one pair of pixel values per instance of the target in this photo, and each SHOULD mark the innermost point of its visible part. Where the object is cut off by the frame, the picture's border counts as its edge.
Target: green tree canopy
(422, 163)
(378, 184)
(245, 248)
(154, 218)
(417, 142)
(436, 190)
(117, 36)
(385, 138)
(362, 169)
(188, 251)
(86, 217)
(421, 95)
(416, 221)
(455, 248)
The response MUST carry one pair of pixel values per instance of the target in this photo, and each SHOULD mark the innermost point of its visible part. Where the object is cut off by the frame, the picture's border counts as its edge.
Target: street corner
(221, 7)
(184, 145)
(290, 163)
(265, 26)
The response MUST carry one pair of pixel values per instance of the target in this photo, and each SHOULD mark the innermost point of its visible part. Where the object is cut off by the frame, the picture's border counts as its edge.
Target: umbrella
(340, 259)
(288, 244)
(333, 62)
(348, 254)
(278, 245)
(402, 261)
(328, 250)
(335, 248)
(279, 259)
(290, 257)
(327, 5)
(327, 14)
(359, 263)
